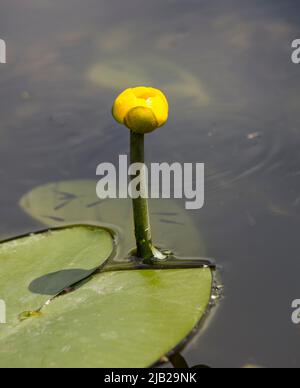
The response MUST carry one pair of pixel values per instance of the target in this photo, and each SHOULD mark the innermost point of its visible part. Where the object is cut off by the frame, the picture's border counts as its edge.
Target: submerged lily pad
(127, 318)
(68, 202)
(173, 78)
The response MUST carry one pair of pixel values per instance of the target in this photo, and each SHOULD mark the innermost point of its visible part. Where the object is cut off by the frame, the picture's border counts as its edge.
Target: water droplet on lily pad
(29, 314)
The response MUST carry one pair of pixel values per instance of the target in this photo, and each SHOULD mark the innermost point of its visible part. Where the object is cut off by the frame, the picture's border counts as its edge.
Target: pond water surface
(234, 96)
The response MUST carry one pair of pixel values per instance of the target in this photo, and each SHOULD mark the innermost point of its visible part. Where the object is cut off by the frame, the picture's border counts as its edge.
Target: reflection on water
(234, 96)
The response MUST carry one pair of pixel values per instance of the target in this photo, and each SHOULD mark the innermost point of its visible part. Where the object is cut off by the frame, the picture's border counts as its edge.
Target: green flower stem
(145, 248)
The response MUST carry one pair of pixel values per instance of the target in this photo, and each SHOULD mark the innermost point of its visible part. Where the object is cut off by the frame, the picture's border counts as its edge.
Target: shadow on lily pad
(53, 283)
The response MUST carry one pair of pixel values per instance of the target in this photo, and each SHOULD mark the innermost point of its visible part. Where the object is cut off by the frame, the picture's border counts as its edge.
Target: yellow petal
(123, 104)
(160, 109)
(145, 97)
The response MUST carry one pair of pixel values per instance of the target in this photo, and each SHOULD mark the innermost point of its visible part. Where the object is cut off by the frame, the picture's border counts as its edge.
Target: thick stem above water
(145, 248)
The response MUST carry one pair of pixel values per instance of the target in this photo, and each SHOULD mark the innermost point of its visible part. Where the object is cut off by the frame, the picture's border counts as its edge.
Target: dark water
(234, 94)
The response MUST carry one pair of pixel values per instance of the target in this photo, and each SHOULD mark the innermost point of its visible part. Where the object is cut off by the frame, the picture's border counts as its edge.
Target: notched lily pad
(128, 318)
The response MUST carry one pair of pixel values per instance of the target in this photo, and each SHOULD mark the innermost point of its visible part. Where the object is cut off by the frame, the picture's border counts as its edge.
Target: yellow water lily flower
(141, 109)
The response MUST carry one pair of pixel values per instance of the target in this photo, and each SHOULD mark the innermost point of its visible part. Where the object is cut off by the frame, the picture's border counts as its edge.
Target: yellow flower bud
(141, 109)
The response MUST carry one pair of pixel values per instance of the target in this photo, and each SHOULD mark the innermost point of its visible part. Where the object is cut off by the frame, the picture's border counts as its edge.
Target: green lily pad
(37, 267)
(69, 202)
(128, 318)
(117, 319)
